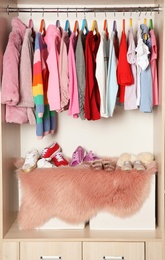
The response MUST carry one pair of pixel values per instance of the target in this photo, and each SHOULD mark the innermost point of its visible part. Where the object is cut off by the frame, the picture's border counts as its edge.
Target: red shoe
(59, 160)
(49, 151)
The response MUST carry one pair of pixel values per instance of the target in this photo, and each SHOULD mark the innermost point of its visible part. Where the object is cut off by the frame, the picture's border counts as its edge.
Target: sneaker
(90, 157)
(43, 163)
(49, 151)
(108, 166)
(31, 159)
(138, 165)
(127, 166)
(77, 156)
(59, 160)
(96, 165)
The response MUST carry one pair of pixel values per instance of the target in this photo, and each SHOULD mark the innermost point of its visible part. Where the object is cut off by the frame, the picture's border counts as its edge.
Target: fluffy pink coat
(76, 194)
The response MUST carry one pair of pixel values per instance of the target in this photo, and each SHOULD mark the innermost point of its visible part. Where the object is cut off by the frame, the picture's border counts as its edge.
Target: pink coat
(16, 96)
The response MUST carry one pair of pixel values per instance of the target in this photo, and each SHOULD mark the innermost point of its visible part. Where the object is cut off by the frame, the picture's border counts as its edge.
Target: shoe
(108, 166)
(77, 156)
(138, 165)
(127, 166)
(31, 159)
(43, 163)
(59, 160)
(96, 165)
(90, 157)
(49, 151)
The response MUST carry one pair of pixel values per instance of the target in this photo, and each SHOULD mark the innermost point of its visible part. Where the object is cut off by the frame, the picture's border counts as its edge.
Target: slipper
(139, 166)
(96, 165)
(108, 166)
(127, 166)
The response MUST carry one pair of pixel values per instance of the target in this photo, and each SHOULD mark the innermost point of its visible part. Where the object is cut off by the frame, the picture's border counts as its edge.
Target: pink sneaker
(59, 160)
(90, 157)
(49, 151)
(78, 156)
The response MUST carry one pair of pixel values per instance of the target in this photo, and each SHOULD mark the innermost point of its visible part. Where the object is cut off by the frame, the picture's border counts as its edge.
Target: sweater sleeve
(38, 92)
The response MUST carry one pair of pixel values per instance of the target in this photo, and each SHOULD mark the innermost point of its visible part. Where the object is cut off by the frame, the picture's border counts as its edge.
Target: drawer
(113, 250)
(10, 251)
(50, 250)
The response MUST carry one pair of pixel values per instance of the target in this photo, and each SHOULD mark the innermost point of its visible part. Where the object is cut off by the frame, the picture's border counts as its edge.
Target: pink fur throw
(76, 194)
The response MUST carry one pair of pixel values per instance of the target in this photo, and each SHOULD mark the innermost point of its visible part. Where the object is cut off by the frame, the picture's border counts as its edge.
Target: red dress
(92, 94)
(124, 73)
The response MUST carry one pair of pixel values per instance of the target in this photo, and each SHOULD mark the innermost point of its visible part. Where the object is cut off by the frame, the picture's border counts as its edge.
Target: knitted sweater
(44, 117)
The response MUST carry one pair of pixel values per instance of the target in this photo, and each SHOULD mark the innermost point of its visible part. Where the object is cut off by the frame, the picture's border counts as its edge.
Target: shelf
(80, 235)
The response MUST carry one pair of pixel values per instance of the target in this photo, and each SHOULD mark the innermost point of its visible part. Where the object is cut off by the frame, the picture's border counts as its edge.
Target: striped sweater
(45, 119)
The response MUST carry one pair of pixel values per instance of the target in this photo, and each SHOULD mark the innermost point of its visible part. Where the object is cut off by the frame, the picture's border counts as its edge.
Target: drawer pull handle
(113, 257)
(50, 257)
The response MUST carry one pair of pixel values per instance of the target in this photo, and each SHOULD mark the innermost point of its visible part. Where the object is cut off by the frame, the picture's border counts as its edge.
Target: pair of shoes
(31, 159)
(54, 154)
(103, 165)
(79, 156)
(137, 165)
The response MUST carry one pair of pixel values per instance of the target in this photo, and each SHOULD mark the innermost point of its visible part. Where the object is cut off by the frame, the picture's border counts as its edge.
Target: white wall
(126, 131)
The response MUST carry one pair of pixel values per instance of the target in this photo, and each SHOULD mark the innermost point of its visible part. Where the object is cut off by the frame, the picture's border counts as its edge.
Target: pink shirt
(155, 96)
(73, 86)
(52, 39)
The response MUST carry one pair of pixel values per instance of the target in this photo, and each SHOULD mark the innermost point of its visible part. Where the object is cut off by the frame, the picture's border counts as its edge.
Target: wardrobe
(127, 131)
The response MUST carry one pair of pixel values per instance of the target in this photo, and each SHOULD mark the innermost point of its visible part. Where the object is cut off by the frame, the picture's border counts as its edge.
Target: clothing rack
(137, 9)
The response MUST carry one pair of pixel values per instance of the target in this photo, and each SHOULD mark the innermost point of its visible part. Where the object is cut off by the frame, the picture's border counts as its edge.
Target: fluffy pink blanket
(76, 194)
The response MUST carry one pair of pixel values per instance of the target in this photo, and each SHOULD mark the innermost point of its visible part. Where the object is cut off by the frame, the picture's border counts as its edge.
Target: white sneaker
(43, 163)
(31, 160)
(127, 166)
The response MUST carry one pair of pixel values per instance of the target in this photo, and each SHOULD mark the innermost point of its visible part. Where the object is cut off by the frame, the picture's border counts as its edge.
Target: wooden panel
(66, 250)
(154, 251)
(98, 250)
(10, 251)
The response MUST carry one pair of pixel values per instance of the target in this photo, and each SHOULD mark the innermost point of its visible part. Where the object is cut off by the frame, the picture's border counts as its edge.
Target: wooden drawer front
(10, 251)
(54, 250)
(110, 250)
(154, 251)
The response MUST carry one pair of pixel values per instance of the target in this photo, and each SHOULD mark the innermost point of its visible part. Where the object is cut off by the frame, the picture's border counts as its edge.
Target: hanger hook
(151, 11)
(131, 12)
(57, 12)
(146, 11)
(105, 12)
(8, 11)
(94, 12)
(31, 12)
(114, 13)
(139, 11)
(67, 12)
(84, 12)
(42, 12)
(17, 11)
(76, 12)
(123, 12)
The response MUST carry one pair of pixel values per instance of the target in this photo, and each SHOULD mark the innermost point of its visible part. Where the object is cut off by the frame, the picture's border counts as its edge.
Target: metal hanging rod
(137, 9)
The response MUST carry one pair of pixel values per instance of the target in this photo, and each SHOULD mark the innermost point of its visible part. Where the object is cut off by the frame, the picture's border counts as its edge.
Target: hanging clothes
(130, 98)
(102, 70)
(63, 70)
(92, 95)
(112, 84)
(153, 64)
(73, 86)
(124, 73)
(53, 40)
(146, 77)
(80, 69)
(16, 88)
(46, 121)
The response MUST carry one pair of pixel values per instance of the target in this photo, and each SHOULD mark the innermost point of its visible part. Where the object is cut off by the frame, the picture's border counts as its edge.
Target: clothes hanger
(67, 27)
(105, 28)
(42, 27)
(151, 24)
(95, 27)
(114, 26)
(123, 25)
(76, 27)
(84, 25)
(58, 23)
(130, 22)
